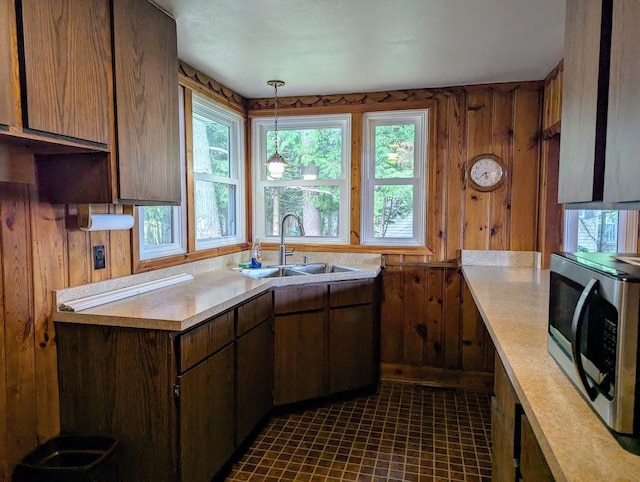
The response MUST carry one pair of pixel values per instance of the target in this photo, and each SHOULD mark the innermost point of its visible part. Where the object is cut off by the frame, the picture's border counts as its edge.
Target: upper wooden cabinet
(9, 96)
(146, 85)
(600, 116)
(105, 74)
(584, 93)
(622, 172)
(67, 68)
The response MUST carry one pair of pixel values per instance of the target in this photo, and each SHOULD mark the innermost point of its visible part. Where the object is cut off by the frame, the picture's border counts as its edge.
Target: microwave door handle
(576, 335)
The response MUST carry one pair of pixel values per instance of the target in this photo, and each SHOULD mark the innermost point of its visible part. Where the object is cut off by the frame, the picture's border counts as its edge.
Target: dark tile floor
(404, 432)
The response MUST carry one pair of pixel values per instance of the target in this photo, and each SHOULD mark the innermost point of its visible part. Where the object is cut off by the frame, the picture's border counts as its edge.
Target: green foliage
(157, 225)
(394, 158)
(322, 148)
(305, 149)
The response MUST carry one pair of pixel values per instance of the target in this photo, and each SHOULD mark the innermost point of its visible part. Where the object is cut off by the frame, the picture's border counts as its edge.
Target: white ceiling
(347, 46)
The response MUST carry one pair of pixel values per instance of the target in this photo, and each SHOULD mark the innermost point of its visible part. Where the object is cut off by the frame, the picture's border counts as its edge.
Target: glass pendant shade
(276, 165)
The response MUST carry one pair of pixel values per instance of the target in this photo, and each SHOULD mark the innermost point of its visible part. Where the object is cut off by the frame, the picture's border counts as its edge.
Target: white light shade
(276, 165)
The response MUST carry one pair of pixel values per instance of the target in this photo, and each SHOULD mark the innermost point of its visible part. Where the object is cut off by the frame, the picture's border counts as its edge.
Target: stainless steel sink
(322, 268)
(269, 272)
(294, 270)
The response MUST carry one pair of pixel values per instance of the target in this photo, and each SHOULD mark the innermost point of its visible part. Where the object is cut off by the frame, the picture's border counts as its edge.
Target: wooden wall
(39, 252)
(430, 329)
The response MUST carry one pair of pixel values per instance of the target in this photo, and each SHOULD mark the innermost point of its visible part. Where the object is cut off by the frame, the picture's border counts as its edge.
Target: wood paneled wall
(40, 251)
(429, 328)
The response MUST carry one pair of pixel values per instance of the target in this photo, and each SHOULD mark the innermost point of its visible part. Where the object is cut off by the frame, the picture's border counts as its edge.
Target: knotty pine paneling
(39, 252)
(429, 323)
(423, 330)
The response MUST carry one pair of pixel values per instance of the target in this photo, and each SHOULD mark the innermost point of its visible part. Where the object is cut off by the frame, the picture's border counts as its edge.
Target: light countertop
(513, 303)
(183, 305)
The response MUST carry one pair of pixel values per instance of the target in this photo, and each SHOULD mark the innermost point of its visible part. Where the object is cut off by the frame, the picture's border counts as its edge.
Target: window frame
(370, 120)
(627, 231)
(259, 128)
(235, 122)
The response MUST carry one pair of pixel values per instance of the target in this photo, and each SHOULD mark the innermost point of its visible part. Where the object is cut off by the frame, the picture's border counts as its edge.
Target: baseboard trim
(437, 377)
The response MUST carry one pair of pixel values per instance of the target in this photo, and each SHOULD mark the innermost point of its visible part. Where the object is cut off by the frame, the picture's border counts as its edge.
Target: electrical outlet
(98, 257)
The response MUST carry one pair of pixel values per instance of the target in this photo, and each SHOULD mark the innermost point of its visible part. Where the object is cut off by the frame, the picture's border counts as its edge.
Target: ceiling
(348, 46)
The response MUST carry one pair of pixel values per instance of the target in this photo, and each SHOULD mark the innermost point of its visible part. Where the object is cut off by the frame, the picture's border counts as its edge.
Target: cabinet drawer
(299, 298)
(200, 342)
(351, 293)
(253, 312)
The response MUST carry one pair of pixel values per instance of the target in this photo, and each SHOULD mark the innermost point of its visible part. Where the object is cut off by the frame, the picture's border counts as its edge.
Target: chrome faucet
(282, 260)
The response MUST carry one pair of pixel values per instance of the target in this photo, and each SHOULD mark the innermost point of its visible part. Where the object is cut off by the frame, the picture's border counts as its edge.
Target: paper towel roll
(108, 222)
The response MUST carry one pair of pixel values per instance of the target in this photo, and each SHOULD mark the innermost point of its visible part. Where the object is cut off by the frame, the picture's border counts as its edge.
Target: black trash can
(70, 458)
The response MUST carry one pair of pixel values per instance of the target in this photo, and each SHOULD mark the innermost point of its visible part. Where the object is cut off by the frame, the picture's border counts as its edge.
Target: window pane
(394, 151)
(317, 206)
(210, 147)
(309, 153)
(158, 225)
(597, 231)
(393, 211)
(215, 210)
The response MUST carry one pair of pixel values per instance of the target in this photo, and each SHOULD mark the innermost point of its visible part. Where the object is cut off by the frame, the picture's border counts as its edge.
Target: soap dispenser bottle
(256, 254)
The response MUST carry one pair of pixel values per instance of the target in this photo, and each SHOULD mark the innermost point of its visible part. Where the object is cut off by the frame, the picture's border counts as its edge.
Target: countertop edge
(552, 461)
(252, 287)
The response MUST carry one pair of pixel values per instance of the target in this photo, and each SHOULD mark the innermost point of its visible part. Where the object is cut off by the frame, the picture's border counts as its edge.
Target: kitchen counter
(184, 305)
(513, 303)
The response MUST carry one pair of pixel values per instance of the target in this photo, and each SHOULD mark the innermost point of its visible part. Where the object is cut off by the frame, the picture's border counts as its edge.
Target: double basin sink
(280, 271)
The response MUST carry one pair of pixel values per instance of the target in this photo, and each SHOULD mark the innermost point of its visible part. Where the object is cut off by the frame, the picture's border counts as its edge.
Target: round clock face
(485, 173)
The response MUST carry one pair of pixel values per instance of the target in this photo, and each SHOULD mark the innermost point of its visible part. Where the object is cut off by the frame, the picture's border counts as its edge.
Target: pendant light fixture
(275, 164)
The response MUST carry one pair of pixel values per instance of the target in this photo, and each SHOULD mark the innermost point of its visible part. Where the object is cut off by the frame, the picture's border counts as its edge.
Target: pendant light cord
(275, 112)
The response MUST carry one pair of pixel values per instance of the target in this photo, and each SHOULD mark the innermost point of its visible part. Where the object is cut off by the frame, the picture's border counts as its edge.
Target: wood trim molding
(437, 377)
(221, 92)
(407, 97)
(554, 73)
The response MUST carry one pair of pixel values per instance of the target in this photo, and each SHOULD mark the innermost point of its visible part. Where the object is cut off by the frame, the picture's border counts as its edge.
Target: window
(218, 171)
(162, 228)
(601, 231)
(315, 184)
(393, 178)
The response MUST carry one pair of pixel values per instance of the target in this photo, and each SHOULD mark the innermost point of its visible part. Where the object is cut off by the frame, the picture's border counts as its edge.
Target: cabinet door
(207, 416)
(67, 66)
(351, 358)
(503, 426)
(581, 174)
(533, 466)
(9, 82)
(299, 357)
(146, 84)
(254, 378)
(623, 121)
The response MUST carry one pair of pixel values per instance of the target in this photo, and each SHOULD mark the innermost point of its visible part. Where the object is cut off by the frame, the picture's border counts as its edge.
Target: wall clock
(485, 172)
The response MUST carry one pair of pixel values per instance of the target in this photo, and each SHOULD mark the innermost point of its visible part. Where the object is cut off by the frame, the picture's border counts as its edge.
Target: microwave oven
(594, 310)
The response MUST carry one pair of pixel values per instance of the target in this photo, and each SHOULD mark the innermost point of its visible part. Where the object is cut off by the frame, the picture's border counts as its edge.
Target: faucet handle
(305, 259)
(290, 253)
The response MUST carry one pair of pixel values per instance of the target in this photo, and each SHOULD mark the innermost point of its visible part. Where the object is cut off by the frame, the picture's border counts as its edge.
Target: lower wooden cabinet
(254, 377)
(516, 454)
(181, 403)
(351, 357)
(324, 340)
(533, 466)
(206, 409)
(504, 407)
(299, 357)
(170, 398)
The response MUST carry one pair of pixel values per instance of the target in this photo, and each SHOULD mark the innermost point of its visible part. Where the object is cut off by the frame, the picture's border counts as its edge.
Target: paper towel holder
(88, 221)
